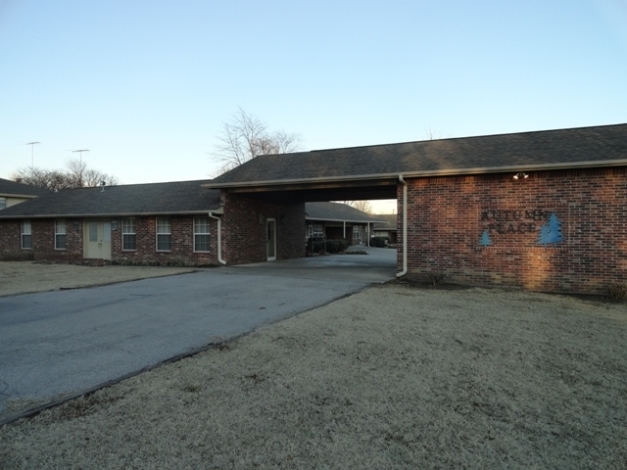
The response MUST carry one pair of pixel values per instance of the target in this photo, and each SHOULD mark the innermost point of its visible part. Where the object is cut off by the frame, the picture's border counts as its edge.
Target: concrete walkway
(377, 265)
(56, 345)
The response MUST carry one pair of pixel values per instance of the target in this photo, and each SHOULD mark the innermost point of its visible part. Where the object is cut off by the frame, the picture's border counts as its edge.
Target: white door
(271, 239)
(97, 235)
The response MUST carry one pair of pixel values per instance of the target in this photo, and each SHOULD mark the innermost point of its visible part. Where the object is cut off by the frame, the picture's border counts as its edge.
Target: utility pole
(81, 169)
(80, 154)
(32, 153)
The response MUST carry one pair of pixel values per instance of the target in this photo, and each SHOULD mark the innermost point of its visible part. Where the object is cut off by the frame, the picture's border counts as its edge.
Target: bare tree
(80, 176)
(363, 206)
(245, 137)
(77, 175)
(431, 134)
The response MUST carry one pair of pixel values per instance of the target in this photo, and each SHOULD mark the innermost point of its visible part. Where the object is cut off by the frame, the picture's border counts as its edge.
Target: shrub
(336, 246)
(617, 291)
(436, 277)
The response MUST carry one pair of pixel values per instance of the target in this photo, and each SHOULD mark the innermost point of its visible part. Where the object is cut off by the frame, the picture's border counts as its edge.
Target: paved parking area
(59, 344)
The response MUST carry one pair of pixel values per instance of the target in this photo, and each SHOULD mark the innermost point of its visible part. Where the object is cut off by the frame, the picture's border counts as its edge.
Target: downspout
(404, 271)
(213, 216)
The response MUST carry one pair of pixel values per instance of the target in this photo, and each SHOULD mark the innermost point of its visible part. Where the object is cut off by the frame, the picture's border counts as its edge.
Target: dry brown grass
(22, 277)
(393, 377)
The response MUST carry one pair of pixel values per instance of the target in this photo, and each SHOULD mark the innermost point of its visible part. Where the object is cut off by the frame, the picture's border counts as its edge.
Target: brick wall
(244, 224)
(182, 246)
(558, 231)
(10, 241)
(182, 249)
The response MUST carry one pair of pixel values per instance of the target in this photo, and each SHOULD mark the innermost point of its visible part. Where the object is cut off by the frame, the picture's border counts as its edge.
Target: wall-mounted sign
(495, 223)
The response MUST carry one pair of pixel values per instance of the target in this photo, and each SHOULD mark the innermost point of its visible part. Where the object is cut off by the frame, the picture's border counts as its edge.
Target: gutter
(212, 214)
(404, 183)
(99, 215)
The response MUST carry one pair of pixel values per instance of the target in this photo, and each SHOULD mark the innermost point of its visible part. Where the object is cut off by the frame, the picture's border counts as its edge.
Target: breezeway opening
(382, 261)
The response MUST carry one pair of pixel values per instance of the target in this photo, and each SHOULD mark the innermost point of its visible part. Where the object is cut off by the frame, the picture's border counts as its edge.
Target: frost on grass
(393, 377)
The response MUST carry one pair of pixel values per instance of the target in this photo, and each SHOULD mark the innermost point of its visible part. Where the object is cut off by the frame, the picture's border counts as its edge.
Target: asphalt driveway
(60, 344)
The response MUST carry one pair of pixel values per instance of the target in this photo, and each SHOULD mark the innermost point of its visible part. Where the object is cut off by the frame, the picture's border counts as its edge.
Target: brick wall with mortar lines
(447, 218)
(42, 240)
(244, 225)
(182, 246)
(11, 242)
(182, 249)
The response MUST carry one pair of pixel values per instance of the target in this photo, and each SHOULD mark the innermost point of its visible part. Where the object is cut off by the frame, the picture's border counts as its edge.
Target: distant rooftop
(10, 188)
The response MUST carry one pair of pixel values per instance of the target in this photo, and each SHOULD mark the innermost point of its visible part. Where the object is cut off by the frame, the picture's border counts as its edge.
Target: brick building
(171, 223)
(539, 210)
(335, 221)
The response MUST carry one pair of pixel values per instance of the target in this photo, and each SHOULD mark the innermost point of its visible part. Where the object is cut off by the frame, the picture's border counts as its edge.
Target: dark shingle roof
(12, 188)
(336, 211)
(134, 199)
(389, 221)
(564, 148)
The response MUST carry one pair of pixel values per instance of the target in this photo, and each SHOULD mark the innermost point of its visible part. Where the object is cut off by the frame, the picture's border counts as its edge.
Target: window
(3, 203)
(201, 233)
(60, 235)
(129, 237)
(26, 235)
(164, 234)
(316, 231)
(356, 232)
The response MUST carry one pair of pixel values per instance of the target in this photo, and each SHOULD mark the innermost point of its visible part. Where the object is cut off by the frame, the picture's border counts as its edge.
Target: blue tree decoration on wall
(485, 239)
(551, 232)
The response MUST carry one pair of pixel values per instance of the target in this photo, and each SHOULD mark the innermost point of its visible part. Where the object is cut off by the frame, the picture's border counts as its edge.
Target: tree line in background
(241, 139)
(76, 175)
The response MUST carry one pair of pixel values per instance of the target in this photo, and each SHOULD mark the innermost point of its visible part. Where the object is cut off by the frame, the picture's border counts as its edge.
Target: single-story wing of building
(159, 223)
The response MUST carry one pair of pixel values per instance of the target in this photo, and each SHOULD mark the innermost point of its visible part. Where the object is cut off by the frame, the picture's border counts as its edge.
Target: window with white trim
(201, 233)
(164, 234)
(27, 240)
(129, 236)
(60, 234)
(3, 203)
(317, 231)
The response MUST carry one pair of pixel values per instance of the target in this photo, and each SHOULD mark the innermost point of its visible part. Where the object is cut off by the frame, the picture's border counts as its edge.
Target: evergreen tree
(551, 232)
(485, 239)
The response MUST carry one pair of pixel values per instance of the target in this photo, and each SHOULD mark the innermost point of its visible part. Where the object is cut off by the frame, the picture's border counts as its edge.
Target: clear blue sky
(146, 85)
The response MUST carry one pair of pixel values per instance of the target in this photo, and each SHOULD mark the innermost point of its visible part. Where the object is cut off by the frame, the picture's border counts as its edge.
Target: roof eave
(101, 215)
(425, 174)
(18, 196)
(352, 221)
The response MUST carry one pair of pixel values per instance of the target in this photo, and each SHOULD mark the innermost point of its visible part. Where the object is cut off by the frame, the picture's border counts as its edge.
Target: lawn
(394, 377)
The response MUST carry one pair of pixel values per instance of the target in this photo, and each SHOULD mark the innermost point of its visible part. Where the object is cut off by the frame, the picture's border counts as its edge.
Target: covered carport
(286, 196)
